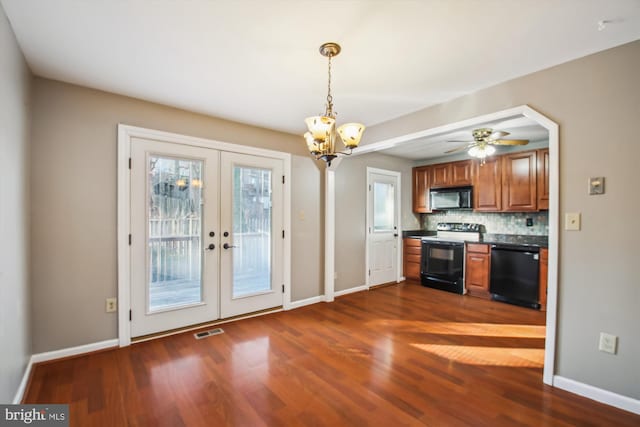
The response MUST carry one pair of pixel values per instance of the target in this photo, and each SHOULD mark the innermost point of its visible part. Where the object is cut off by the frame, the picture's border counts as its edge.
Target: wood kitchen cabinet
(543, 281)
(513, 182)
(543, 178)
(421, 179)
(453, 174)
(411, 253)
(477, 270)
(487, 185)
(519, 182)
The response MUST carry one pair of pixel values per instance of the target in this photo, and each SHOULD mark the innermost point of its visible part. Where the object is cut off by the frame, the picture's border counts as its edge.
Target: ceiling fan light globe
(351, 133)
(481, 152)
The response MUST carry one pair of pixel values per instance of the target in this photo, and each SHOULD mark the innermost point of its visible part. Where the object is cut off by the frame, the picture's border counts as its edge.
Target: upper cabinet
(543, 178)
(487, 185)
(513, 182)
(454, 174)
(519, 182)
(421, 177)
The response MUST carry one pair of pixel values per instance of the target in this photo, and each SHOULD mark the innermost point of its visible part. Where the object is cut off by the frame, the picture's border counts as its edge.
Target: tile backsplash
(494, 222)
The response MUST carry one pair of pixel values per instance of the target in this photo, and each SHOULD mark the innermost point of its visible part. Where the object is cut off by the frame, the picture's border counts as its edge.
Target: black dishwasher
(514, 274)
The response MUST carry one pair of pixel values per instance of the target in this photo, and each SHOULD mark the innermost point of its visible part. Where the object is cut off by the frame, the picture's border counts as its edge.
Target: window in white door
(383, 206)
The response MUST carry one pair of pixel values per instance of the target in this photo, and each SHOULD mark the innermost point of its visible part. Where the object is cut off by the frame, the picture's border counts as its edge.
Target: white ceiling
(257, 62)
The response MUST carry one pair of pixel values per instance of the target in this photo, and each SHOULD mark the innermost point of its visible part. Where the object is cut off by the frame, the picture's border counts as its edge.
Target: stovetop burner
(459, 227)
(457, 231)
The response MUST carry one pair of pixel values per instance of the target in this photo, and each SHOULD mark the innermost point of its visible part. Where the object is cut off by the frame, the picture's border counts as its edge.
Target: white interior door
(382, 224)
(252, 248)
(175, 237)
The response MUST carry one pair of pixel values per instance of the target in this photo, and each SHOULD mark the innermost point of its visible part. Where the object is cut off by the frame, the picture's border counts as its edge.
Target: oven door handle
(435, 279)
(442, 243)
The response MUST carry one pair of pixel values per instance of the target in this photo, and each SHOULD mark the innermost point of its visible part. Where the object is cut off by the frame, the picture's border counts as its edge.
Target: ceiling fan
(483, 142)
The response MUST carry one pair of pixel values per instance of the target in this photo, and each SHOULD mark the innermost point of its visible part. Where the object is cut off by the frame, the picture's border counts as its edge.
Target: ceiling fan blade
(498, 134)
(468, 141)
(510, 142)
(455, 150)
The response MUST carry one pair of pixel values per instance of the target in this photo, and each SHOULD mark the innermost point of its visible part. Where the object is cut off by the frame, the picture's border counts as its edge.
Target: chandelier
(321, 138)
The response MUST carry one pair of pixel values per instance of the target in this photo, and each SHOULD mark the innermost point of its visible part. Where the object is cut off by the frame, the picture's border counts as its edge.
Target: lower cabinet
(477, 270)
(544, 270)
(411, 257)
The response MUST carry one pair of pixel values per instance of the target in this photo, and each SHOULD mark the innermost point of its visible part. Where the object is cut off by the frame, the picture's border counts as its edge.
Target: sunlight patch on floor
(487, 356)
(463, 328)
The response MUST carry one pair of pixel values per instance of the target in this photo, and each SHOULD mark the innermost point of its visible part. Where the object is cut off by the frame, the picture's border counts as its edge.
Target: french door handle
(210, 247)
(228, 246)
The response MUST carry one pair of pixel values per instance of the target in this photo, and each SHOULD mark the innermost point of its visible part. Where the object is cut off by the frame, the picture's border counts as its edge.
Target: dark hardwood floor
(398, 355)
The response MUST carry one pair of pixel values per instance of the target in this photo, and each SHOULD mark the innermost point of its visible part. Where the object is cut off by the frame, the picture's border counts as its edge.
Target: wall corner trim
(598, 394)
(22, 388)
(307, 301)
(352, 290)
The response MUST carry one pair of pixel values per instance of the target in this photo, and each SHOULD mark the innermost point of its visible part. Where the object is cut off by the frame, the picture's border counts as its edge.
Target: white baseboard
(598, 394)
(73, 351)
(308, 301)
(58, 354)
(351, 290)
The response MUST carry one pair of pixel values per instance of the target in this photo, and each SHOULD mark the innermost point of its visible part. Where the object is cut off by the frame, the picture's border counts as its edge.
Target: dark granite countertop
(416, 234)
(516, 239)
(509, 239)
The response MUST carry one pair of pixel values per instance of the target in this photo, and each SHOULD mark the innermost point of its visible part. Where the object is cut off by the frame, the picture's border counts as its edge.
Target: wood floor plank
(399, 355)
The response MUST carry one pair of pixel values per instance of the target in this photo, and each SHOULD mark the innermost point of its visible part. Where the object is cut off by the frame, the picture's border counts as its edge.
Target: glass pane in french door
(252, 200)
(175, 232)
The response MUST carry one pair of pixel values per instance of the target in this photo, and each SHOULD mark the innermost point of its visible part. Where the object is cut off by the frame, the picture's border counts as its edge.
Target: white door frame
(397, 214)
(125, 134)
(554, 210)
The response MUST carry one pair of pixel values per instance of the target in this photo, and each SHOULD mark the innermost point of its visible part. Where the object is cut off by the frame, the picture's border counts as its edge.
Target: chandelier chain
(329, 111)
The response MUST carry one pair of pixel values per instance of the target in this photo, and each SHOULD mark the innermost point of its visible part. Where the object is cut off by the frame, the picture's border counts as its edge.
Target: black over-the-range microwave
(451, 198)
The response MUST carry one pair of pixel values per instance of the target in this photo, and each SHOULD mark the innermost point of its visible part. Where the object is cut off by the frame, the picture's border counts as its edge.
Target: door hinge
(129, 239)
(369, 187)
(283, 179)
(283, 234)
(369, 272)
(129, 162)
(129, 315)
(283, 289)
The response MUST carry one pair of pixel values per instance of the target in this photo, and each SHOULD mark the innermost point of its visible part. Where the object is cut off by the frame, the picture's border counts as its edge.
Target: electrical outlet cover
(111, 305)
(572, 221)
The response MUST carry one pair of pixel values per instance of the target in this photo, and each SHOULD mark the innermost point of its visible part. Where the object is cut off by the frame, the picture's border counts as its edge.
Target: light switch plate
(608, 343)
(572, 221)
(596, 185)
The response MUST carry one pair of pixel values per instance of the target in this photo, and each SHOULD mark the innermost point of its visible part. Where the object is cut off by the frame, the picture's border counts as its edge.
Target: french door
(251, 233)
(204, 226)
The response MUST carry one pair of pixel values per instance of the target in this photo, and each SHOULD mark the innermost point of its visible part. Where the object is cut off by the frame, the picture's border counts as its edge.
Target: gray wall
(351, 208)
(73, 224)
(596, 102)
(15, 82)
